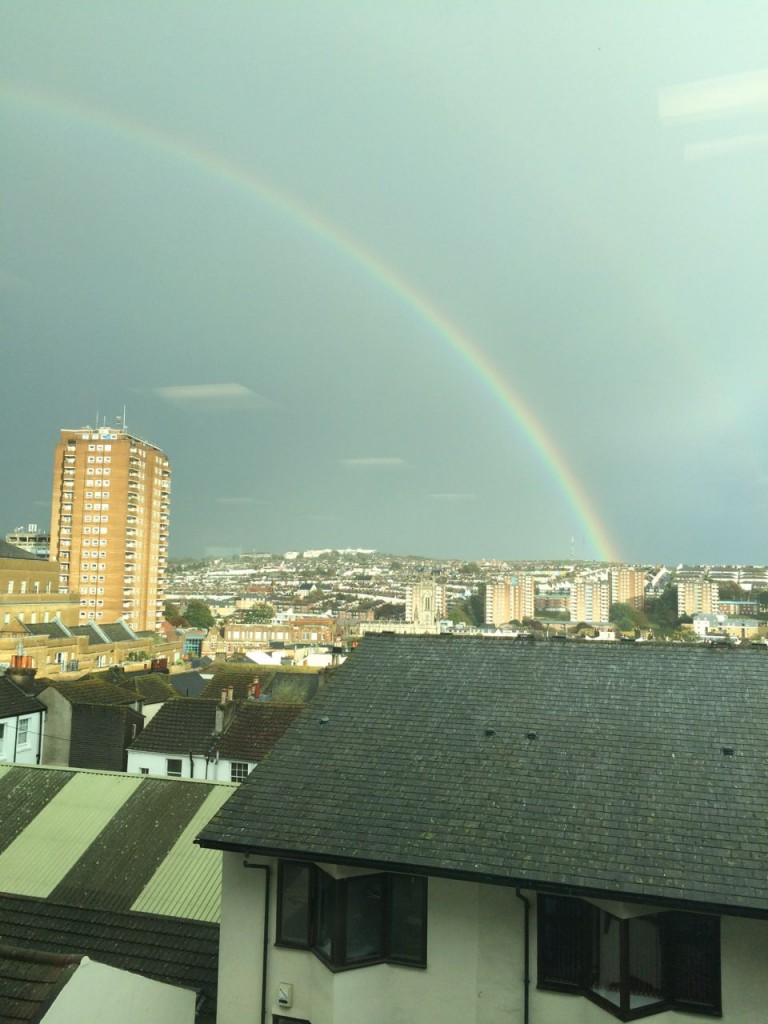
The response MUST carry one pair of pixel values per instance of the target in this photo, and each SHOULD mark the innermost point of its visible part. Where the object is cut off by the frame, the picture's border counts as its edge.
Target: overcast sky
(462, 279)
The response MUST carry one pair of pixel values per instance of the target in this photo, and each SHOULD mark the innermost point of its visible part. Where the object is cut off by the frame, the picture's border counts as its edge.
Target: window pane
(645, 972)
(294, 888)
(365, 917)
(408, 919)
(324, 915)
(564, 927)
(606, 959)
(693, 953)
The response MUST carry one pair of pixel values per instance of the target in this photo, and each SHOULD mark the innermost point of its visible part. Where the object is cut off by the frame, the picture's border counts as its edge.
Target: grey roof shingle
(597, 767)
(255, 729)
(30, 980)
(14, 701)
(185, 725)
(169, 949)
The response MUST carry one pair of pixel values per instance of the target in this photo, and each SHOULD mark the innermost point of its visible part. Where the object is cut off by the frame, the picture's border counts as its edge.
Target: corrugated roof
(109, 840)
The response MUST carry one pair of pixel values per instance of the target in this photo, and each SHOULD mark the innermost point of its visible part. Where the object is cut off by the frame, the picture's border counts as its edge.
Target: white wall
(157, 764)
(21, 753)
(475, 965)
(98, 994)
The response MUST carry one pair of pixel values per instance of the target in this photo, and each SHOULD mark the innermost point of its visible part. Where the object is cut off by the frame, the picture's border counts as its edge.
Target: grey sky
(251, 222)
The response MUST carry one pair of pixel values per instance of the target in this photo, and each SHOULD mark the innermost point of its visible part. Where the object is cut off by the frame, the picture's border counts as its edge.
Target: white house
(482, 831)
(22, 722)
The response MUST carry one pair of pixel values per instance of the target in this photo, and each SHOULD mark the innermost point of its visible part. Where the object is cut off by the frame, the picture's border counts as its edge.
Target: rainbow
(457, 340)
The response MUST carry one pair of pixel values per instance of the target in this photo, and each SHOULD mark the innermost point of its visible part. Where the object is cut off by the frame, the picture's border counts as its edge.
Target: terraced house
(493, 831)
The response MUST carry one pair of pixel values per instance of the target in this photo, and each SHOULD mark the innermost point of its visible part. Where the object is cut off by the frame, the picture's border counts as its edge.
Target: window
(22, 734)
(630, 967)
(144, 771)
(238, 771)
(352, 922)
(173, 766)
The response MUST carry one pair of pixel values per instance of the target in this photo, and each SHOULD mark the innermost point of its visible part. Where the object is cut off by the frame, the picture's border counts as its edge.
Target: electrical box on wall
(284, 994)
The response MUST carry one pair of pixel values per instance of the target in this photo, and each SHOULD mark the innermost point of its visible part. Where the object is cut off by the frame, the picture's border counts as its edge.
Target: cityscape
(383, 571)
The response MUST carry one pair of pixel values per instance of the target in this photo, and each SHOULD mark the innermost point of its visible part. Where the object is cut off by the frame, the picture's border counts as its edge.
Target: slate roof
(165, 949)
(633, 770)
(152, 688)
(109, 841)
(283, 685)
(30, 981)
(182, 726)
(14, 701)
(89, 690)
(117, 631)
(255, 729)
(94, 633)
(54, 628)
(100, 735)
(188, 684)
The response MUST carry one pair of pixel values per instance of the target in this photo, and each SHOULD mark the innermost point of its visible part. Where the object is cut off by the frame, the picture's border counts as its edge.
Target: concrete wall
(475, 965)
(58, 727)
(97, 994)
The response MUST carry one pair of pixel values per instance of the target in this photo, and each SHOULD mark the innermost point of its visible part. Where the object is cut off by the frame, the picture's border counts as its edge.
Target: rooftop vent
(490, 732)
(728, 751)
(531, 735)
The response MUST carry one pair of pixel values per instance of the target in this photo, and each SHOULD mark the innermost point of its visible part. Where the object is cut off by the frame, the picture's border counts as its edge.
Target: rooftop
(619, 769)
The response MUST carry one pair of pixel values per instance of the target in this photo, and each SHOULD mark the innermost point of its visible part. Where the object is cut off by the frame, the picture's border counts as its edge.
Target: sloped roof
(14, 701)
(633, 770)
(92, 631)
(117, 631)
(109, 840)
(90, 690)
(168, 949)
(255, 729)
(185, 725)
(100, 735)
(53, 628)
(152, 688)
(289, 685)
(11, 551)
(30, 981)
(188, 684)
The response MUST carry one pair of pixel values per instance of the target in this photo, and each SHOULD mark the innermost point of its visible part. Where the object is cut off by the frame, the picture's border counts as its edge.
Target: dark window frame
(568, 939)
(173, 761)
(329, 904)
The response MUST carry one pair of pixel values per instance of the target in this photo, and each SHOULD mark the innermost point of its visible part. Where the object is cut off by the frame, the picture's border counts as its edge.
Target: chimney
(224, 692)
(230, 694)
(254, 690)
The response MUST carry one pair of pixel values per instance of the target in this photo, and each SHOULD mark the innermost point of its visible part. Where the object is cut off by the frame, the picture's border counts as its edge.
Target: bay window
(631, 967)
(351, 922)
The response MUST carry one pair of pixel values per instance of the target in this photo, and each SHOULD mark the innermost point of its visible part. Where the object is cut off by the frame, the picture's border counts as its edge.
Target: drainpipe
(265, 946)
(40, 728)
(527, 957)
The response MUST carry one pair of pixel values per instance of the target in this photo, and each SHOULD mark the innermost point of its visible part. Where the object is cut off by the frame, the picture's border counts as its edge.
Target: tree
(262, 611)
(198, 614)
(729, 590)
(626, 617)
(662, 611)
(171, 611)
